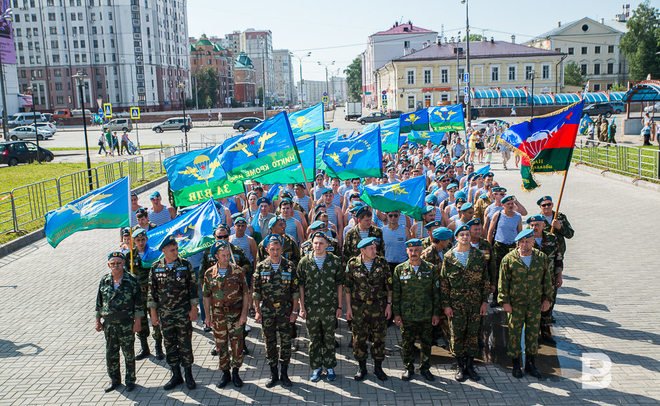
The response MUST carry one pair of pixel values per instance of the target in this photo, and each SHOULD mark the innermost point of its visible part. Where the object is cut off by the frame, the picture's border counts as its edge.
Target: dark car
(618, 106)
(372, 118)
(595, 109)
(394, 114)
(20, 152)
(247, 123)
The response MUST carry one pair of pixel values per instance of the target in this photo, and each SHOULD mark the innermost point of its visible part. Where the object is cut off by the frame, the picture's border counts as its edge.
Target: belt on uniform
(504, 245)
(227, 309)
(120, 316)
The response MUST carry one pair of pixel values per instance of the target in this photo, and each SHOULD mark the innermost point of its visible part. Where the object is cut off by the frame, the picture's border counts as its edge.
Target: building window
(596, 87)
(411, 77)
(596, 69)
(461, 71)
(58, 87)
(51, 17)
(545, 70)
(494, 73)
(512, 73)
(53, 30)
(583, 69)
(406, 44)
(610, 68)
(444, 76)
(427, 76)
(411, 102)
(56, 59)
(596, 49)
(584, 50)
(528, 72)
(557, 49)
(571, 51)
(60, 99)
(444, 97)
(427, 100)
(610, 49)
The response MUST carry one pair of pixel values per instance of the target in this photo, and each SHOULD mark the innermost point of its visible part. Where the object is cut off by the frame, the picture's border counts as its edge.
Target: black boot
(516, 372)
(361, 372)
(226, 377)
(284, 375)
(274, 376)
(159, 350)
(114, 384)
(546, 336)
(144, 353)
(235, 378)
(530, 367)
(469, 368)
(460, 370)
(190, 381)
(175, 380)
(245, 348)
(378, 371)
(408, 374)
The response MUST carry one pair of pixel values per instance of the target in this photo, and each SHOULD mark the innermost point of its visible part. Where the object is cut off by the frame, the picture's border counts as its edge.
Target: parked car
(653, 108)
(26, 118)
(21, 152)
(50, 127)
(394, 114)
(247, 123)
(372, 118)
(474, 113)
(62, 113)
(49, 117)
(483, 124)
(174, 123)
(118, 124)
(618, 106)
(25, 132)
(78, 113)
(595, 109)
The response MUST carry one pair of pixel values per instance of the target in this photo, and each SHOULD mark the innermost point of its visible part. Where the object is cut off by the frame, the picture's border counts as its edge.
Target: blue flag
(357, 157)
(273, 192)
(294, 174)
(307, 122)
(193, 231)
(407, 196)
(226, 143)
(422, 137)
(389, 133)
(323, 138)
(105, 207)
(481, 171)
(417, 120)
(447, 118)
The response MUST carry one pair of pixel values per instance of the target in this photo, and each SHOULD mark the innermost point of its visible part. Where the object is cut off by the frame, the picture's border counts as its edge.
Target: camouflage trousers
(177, 338)
(274, 324)
(119, 335)
(144, 332)
(442, 329)
(369, 324)
(499, 252)
(529, 316)
(410, 331)
(321, 331)
(465, 327)
(228, 335)
(546, 317)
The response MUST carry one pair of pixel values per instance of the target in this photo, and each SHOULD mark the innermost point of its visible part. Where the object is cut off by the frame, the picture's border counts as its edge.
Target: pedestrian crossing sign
(135, 113)
(107, 110)
(324, 99)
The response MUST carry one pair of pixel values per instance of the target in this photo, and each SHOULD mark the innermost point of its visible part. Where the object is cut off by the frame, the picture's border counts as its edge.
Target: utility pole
(467, 57)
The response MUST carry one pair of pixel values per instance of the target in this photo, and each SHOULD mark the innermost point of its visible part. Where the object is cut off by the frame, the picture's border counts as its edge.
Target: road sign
(367, 93)
(383, 92)
(466, 77)
(383, 96)
(324, 99)
(135, 113)
(384, 103)
(107, 110)
(325, 93)
(466, 90)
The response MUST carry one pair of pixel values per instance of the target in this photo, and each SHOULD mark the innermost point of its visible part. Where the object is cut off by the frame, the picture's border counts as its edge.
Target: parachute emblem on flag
(535, 143)
(300, 122)
(202, 169)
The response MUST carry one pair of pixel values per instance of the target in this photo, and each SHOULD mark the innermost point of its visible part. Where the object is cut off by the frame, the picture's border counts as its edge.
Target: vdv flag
(105, 207)
(422, 137)
(417, 120)
(389, 134)
(266, 148)
(357, 157)
(294, 174)
(447, 118)
(407, 196)
(193, 231)
(307, 122)
(196, 176)
(323, 138)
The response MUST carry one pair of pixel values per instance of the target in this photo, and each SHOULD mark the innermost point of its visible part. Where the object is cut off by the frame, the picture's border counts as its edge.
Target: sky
(338, 30)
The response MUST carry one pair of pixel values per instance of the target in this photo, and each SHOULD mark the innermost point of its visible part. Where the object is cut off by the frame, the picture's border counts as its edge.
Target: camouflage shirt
(480, 207)
(566, 232)
(239, 258)
(275, 289)
(172, 287)
(352, 239)
(459, 283)
(520, 284)
(368, 287)
(140, 272)
(123, 303)
(320, 285)
(432, 256)
(487, 249)
(290, 250)
(225, 291)
(415, 294)
(550, 247)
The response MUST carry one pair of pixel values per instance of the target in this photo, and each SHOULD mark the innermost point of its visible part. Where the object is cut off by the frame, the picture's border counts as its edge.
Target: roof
(612, 25)
(243, 61)
(407, 28)
(478, 49)
(646, 90)
(217, 47)
(204, 42)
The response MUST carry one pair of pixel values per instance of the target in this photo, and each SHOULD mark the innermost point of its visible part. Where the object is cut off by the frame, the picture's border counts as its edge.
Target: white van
(20, 119)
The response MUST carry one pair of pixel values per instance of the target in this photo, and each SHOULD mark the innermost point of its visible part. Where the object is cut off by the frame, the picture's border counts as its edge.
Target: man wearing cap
(335, 215)
(440, 243)
(429, 227)
(320, 278)
(173, 304)
(464, 282)
(119, 305)
(290, 249)
(465, 214)
(482, 202)
(559, 226)
(142, 216)
(368, 291)
(333, 245)
(363, 228)
(395, 236)
(134, 208)
(243, 241)
(275, 298)
(416, 308)
(504, 226)
(418, 229)
(477, 241)
(226, 301)
(141, 273)
(548, 244)
(524, 291)
(159, 213)
(264, 217)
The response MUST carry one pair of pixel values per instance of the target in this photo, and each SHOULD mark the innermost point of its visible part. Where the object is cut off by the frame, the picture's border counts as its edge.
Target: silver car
(26, 132)
(118, 124)
(174, 123)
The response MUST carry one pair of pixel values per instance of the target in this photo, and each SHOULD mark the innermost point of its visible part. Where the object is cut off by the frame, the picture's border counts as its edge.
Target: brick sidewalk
(50, 353)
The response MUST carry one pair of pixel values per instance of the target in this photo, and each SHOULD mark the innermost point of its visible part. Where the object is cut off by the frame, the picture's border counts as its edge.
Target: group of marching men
(317, 252)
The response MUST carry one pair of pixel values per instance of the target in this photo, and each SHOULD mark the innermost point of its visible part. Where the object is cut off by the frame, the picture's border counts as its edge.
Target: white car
(27, 132)
(655, 108)
(483, 124)
(50, 127)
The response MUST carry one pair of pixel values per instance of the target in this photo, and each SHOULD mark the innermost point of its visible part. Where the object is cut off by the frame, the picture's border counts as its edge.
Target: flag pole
(129, 224)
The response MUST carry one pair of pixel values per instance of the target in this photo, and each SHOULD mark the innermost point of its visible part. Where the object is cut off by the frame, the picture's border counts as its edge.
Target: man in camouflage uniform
(142, 275)
(173, 304)
(333, 245)
(464, 282)
(429, 227)
(440, 243)
(524, 291)
(477, 241)
(363, 229)
(547, 243)
(226, 301)
(320, 279)
(416, 307)
(142, 216)
(275, 297)
(119, 304)
(368, 289)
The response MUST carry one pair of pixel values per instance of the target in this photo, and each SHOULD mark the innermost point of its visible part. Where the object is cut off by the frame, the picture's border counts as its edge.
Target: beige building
(501, 74)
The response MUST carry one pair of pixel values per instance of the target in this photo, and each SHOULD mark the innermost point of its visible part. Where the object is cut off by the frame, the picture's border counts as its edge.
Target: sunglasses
(546, 205)
(221, 237)
(392, 215)
(241, 225)
(113, 264)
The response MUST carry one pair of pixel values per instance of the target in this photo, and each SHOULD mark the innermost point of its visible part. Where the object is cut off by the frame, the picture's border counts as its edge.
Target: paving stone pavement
(51, 354)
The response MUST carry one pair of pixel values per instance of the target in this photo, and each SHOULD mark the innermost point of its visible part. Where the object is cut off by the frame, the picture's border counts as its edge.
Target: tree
(573, 75)
(642, 42)
(473, 37)
(354, 79)
(208, 86)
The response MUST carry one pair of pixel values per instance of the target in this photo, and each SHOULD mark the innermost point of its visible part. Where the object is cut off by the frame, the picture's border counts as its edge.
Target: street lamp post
(33, 88)
(327, 87)
(458, 66)
(6, 16)
(80, 81)
(467, 58)
(532, 75)
(182, 87)
(300, 58)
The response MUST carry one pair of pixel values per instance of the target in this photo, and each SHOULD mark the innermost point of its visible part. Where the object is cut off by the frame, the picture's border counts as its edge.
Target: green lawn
(623, 160)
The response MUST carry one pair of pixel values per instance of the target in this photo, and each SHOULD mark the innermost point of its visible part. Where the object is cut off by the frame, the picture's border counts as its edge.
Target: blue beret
(489, 175)
(218, 245)
(167, 241)
(466, 206)
(286, 194)
(414, 242)
(459, 164)
(464, 227)
(116, 254)
(428, 209)
(432, 224)
(273, 238)
(474, 222)
(441, 177)
(236, 215)
(154, 195)
(543, 199)
(442, 234)
(125, 231)
(477, 175)
(364, 209)
(325, 190)
(507, 198)
(320, 234)
(536, 217)
(262, 200)
(431, 199)
(356, 206)
(452, 186)
(483, 196)
(460, 194)
(285, 200)
(316, 225)
(273, 221)
(499, 189)
(365, 242)
(240, 219)
(222, 226)
(138, 232)
(460, 199)
(528, 232)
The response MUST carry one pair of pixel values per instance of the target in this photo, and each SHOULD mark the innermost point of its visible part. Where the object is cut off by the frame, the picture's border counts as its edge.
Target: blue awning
(595, 97)
(645, 91)
(566, 98)
(486, 94)
(543, 100)
(617, 96)
(513, 93)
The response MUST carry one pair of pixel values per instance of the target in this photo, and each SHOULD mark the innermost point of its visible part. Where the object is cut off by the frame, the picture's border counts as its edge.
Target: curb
(24, 241)
(619, 178)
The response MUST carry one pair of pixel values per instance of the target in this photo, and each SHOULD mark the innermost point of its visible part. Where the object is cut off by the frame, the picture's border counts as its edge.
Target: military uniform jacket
(238, 256)
(123, 303)
(172, 288)
(459, 283)
(141, 273)
(290, 250)
(306, 247)
(566, 232)
(368, 287)
(519, 284)
(320, 285)
(550, 247)
(487, 249)
(151, 226)
(353, 238)
(415, 295)
(226, 293)
(480, 207)
(275, 289)
(432, 256)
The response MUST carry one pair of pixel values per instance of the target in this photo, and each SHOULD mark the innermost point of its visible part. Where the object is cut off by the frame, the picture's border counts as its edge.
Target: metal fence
(640, 163)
